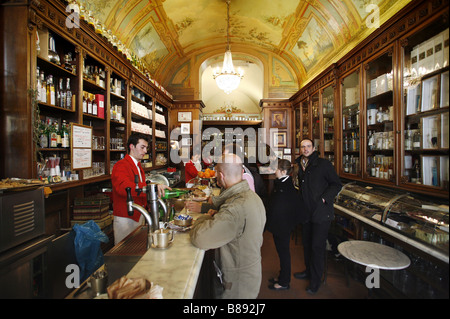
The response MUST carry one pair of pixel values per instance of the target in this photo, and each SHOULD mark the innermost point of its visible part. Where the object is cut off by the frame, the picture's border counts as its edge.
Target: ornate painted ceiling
(291, 40)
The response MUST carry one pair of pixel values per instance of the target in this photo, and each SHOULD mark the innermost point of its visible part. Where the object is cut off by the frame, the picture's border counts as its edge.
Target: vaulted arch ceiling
(303, 36)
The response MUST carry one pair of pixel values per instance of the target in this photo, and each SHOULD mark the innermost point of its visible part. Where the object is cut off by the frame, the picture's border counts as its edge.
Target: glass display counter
(412, 217)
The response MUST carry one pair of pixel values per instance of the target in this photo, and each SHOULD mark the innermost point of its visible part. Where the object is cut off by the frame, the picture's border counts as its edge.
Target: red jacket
(123, 176)
(190, 171)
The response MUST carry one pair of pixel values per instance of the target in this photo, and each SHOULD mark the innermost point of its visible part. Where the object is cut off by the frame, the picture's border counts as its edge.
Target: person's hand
(193, 206)
(161, 189)
(211, 212)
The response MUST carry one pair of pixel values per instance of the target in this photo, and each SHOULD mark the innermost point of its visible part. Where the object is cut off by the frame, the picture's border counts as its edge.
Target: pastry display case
(399, 211)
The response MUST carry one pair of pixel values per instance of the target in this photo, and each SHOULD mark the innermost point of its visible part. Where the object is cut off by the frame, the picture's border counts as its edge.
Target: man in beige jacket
(235, 230)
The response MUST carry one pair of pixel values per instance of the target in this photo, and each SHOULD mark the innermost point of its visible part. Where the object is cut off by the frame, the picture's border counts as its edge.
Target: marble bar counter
(176, 268)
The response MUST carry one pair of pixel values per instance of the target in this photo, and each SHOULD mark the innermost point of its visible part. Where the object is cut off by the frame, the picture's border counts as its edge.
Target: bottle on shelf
(416, 139)
(38, 84)
(50, 91)
(89, 103)
(417, 174)
(43, 135)
(94, 106)
(391, 167)
(43, 88)
(370, 142)
(52, 136)
(58, 134)
(65, 135)
(84, 102)
(68, 95)
(62, 94)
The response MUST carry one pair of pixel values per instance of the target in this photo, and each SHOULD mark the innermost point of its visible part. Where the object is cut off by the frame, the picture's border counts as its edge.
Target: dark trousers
(314, 238)
(282, 245)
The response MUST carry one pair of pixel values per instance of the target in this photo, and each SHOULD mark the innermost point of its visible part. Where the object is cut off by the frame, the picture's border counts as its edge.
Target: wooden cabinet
(390, 96)
(103, 84)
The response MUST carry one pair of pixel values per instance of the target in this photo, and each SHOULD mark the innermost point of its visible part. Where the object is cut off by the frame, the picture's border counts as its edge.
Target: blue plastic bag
(88, 237)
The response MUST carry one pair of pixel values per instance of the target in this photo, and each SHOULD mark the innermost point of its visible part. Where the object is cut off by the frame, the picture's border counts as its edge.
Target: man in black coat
(319, 185)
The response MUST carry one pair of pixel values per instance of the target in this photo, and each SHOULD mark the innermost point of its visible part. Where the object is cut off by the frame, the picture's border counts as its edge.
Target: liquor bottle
(96, 76)
(370, 143)
(43, 135)
(52, 137)
(62, 94)
(58, 135)
(373, 169)
(89, 103)
(84, 102)
(391, 167)
(417, 172)
(381, 168)
(349, 119)
(175, 192)
(68, 95)
(346, 164)
(94, 106)
(408, 140)
(377, 167)
(416, 139)
(38, 84)
(380, 115)
(353, 142)
(43, 88)
(357, 141)
(172, 212)
(50, 91)
(65, 135)
(385, 168)
(434, 178)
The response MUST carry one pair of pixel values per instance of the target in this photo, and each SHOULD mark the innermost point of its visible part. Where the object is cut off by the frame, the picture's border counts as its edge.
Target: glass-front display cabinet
(316, 122)
(305, 119)
(302, 124)
(350, 114)
(422, 224)
(380, 118)
(425, 111)
(328, 123)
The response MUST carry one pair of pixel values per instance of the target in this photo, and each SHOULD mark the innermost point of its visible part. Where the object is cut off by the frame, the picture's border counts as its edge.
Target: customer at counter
(235, 231)
(318, 186)
(192, 167)
(123, 176)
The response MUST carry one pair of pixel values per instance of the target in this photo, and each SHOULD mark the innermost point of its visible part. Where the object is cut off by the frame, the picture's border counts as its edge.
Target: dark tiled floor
(334, 288)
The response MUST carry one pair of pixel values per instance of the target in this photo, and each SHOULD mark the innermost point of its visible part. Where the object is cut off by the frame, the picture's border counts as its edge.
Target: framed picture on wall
(279, 139)
(184, 116)
(278, 119)
(185, 128)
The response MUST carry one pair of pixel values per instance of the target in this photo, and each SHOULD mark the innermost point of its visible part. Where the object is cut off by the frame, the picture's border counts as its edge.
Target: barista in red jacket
(123, 176)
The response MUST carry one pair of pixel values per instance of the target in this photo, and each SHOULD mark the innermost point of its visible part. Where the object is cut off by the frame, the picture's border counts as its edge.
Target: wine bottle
(68, 94)
(175, 192)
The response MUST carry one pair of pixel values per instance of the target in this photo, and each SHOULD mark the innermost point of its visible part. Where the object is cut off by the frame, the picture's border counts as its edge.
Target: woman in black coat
(281, 220)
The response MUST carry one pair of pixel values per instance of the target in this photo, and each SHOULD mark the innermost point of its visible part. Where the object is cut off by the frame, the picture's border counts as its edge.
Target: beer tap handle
(136, 181)
(129, 202)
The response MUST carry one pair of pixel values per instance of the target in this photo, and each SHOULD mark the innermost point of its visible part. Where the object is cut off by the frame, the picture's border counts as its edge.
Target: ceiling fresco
(299, 37)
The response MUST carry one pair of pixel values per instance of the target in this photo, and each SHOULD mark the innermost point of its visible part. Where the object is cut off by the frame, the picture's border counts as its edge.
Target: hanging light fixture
(228, 80)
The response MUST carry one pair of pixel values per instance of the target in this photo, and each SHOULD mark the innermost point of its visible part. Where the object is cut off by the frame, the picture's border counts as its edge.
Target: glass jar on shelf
(380, 117)
(350, 112)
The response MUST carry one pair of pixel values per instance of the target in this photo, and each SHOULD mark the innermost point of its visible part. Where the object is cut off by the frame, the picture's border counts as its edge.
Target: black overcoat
(283, 207)
(318, 181)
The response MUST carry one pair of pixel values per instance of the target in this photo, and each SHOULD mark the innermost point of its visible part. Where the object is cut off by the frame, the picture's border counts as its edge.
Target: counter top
(176, 268)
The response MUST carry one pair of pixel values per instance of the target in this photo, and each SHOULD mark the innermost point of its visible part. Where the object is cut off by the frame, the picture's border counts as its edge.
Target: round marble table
(373, 255)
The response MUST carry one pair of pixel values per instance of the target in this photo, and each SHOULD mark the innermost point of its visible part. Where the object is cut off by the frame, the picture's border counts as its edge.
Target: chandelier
(228, 80)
